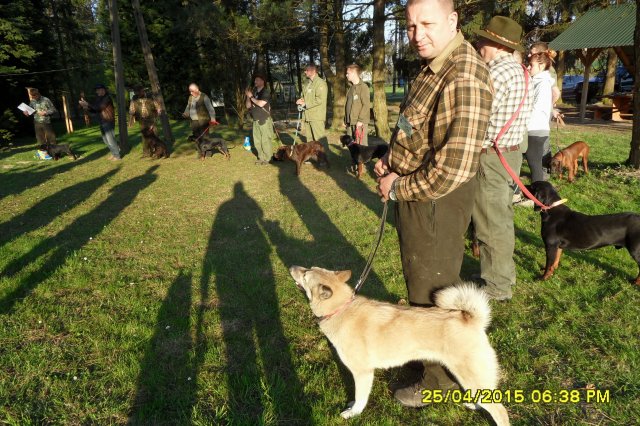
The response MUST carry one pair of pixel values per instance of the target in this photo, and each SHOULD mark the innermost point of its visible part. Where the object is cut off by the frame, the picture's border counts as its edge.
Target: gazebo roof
(599, 28)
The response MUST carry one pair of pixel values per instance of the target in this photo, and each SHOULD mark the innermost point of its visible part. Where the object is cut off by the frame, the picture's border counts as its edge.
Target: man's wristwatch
(392, 191)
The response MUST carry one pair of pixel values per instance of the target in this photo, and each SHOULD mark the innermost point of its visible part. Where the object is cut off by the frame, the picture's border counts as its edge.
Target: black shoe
(434, 377)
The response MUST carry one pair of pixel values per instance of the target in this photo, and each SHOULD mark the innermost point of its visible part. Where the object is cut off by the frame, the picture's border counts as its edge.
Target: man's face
(101, 92)
(194, 90)
(352, 75)
(430, 27)
(310, 72)
(485, 49)
(258, 82)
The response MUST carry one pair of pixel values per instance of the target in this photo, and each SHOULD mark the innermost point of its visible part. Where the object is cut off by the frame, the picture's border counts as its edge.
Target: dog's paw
(349, 412)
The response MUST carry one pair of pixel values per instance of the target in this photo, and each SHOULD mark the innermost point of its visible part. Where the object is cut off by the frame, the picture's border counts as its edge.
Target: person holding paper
(44, 109)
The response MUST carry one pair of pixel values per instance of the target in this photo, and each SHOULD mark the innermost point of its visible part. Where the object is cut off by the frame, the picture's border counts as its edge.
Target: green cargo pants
(493, 220)
(315, 131)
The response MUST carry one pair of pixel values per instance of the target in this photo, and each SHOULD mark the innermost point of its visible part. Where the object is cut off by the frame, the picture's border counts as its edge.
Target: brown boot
(434, 377)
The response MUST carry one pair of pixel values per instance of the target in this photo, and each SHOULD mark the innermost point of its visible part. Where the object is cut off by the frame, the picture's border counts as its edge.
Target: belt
(502, 149)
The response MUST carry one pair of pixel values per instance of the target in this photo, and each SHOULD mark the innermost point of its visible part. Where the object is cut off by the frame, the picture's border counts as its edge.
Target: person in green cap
(314, 104)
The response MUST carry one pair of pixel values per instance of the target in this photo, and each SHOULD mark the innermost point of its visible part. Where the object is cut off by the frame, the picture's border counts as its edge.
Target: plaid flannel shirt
(447, 109)
(507, 77)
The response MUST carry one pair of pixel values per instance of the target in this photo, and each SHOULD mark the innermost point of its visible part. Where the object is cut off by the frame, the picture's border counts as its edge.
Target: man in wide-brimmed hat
(493, 211)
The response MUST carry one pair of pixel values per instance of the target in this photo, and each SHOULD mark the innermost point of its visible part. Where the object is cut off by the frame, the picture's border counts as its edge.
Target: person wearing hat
(258, 103)
(314, 105)
(144, 110)
(432, 159)
(102, 105)
(42, 117)
(493, 211)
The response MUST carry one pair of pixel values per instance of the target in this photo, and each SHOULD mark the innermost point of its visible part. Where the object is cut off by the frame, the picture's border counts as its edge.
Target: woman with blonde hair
(538, 152)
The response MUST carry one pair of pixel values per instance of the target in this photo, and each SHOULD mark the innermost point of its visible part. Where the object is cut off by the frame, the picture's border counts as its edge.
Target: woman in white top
(538, 153)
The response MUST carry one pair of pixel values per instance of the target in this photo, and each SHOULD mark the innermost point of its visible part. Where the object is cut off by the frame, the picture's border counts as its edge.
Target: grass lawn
(158, 292)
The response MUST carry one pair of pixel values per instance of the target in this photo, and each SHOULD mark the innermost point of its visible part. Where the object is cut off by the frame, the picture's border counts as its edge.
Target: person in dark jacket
(103, 107)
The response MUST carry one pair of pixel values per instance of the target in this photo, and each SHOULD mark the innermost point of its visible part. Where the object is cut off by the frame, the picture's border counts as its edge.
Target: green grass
(157, 292)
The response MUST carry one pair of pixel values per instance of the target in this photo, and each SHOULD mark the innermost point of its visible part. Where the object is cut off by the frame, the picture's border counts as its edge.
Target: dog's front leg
(363, 381)
(553, 255)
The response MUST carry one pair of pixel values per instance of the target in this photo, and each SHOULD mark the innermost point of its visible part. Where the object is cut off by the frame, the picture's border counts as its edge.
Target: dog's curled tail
(467, 298)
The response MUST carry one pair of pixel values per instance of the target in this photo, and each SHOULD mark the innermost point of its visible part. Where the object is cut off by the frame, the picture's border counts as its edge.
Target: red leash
(359, 135)
(504, 130)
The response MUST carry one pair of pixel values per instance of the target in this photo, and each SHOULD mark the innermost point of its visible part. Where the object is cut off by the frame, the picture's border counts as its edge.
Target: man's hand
(185, 115)
(84, 104)
(359, 124)
(384, 185)
(248, 94)
(25, 113)
(42, 113)
(382, 166)
(213, 122)
(300, 101)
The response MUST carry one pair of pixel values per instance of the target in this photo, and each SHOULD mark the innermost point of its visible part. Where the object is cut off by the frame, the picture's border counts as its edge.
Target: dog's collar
(340, 309)
(556, 203)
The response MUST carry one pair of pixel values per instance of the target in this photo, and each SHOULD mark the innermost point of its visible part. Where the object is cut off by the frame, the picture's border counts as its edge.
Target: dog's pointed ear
(325, 292)
(297, 272)
(343, 275)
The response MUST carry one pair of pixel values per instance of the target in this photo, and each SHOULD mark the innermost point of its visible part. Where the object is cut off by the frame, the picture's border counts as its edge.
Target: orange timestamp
(516, 396)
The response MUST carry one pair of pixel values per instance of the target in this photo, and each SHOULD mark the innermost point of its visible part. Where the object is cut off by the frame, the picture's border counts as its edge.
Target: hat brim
(509, 44)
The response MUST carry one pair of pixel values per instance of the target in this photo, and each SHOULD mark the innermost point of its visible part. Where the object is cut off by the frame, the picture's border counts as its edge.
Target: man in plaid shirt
(493, 210)
(433, 157)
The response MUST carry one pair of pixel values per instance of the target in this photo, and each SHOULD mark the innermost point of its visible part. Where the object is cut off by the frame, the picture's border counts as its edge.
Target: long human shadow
(50, 207)
(262, 384)
(166, 386)
(17, 182)
(352, 186)
(330, 248)
(58, 247)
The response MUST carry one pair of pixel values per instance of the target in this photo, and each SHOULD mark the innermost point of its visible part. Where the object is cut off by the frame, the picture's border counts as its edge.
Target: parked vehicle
(624, 83)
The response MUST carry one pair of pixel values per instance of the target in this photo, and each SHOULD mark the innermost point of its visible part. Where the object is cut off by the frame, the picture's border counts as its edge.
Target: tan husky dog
(368, 334)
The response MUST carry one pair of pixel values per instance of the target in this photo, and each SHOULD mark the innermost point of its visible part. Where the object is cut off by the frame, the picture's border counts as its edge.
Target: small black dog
(157, 147)
(361, 154)
(208, 145)
(562, 228)
(55, 151)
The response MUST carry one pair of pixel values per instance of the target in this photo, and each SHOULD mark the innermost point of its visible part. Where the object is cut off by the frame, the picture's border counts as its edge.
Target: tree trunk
(560, 70)
(119, 74)
(298, 71)
(153, 73)
(379, 97)
(340, 80)
(634, 153)
(610, 82)
(325, 15)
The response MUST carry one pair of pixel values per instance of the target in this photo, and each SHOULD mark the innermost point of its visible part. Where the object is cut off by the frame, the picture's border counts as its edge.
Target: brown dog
(302, 152)
(157, 147)
(568, 158)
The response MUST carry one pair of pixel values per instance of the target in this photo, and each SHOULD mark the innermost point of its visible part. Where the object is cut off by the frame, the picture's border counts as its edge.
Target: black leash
(367, 268)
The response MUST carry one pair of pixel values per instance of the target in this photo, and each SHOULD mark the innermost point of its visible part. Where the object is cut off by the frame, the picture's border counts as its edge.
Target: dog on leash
(562, 228)
(368, 334)
(299, 153)
(157, 147)
(209, 145)
(55, 151)
(568, 158)
(361, 154)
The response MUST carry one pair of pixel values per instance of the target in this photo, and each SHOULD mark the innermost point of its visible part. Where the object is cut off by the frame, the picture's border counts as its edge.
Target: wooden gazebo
(596, 30)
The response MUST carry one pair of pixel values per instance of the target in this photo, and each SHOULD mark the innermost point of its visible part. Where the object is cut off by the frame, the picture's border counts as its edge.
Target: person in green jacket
(42, 117)
(358, 105)
(314, 102)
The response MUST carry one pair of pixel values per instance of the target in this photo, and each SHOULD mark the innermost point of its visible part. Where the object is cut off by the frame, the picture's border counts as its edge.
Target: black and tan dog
(55, 151)
(209, 145)
(361, 154)
(562, 228)
(157, 147)
(302, 152)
